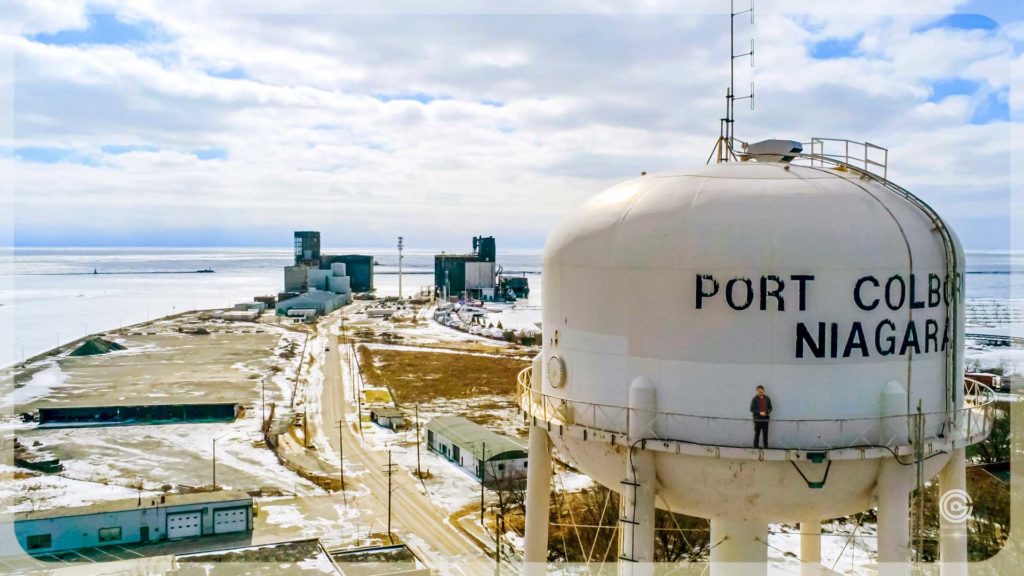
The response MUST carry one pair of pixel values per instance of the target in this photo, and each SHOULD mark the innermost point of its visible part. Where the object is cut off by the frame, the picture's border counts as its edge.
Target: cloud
(441, 125)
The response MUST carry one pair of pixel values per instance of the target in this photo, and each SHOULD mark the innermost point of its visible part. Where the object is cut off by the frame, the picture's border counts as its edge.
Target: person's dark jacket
(756, 413)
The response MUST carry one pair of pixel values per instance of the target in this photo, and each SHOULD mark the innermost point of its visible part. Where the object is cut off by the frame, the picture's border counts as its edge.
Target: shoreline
(53, 352)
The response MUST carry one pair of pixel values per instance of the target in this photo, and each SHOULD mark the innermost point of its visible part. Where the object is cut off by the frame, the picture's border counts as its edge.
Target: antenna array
(726, 128)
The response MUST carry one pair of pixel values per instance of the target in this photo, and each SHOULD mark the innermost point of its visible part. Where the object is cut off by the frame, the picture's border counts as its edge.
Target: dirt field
(421, 377)
(448, 383)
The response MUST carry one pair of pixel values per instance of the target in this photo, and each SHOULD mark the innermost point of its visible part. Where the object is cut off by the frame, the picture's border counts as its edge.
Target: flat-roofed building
(321, 301)
(133, 520)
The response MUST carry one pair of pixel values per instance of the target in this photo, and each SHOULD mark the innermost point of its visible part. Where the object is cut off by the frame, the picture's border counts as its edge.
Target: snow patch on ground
(42, 383)
(46, 492)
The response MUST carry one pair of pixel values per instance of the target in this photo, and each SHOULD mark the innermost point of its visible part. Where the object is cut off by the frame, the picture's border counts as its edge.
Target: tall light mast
(401, 245)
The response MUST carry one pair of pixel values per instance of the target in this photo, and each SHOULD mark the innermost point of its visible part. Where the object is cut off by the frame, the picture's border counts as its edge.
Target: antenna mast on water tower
(726, 132)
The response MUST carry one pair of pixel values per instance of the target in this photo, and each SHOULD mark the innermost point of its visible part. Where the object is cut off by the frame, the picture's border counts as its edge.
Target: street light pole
(401, 245)
(215, 458)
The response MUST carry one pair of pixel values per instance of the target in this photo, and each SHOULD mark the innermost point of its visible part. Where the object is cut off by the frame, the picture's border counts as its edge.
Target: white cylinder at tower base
(953, 518)
(739, 547)
(810, 547)
(894, 483)
(538, 500)
(639, 487)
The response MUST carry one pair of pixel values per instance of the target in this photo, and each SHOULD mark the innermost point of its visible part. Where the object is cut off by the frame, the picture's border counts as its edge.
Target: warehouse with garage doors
(135, 520)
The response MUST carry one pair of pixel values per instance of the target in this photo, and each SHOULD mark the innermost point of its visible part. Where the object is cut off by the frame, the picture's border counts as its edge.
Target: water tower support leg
(810, 547)
(953, 535)
(637, 522)
(538, 501)
(894, 483)
(638, 515)
(739, 547)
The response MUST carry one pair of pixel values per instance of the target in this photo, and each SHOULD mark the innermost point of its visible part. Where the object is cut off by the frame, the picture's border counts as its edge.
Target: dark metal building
(307, 247)
(357, 266)
(450, 270)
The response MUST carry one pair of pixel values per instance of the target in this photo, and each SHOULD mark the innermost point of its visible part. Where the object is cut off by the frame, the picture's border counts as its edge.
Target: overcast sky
(231, 124)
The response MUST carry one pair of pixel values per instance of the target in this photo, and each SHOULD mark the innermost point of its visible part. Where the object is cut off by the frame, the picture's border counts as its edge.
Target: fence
(972, 423)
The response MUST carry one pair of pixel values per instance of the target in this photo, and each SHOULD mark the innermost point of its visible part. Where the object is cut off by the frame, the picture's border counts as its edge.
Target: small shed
(487, 455)
(388, 417)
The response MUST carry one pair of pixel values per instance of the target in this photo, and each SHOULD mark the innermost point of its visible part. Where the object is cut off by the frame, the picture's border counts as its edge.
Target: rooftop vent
(771, 151)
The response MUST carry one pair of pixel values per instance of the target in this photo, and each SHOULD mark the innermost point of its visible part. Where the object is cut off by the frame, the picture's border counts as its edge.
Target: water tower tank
(668, 298)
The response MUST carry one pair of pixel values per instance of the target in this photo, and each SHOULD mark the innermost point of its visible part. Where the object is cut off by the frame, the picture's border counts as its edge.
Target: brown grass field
(424, 377)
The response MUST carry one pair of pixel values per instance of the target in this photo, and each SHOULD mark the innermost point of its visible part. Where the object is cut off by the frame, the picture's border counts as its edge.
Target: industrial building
(469, 444)
(307, 248)
(317, 285)
(312, 270)
(467, 276)
(134, 520)
(360, 269)
(71, 416)
(318, 301)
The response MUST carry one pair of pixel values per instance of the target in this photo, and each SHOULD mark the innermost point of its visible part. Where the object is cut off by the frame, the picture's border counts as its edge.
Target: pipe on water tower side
(739, 547)
(953, 534)
(638, 490)
(894, 485)
(810, 547)
(538, 501)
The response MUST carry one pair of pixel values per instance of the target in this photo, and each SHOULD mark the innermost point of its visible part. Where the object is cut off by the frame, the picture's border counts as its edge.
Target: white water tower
(668, 298)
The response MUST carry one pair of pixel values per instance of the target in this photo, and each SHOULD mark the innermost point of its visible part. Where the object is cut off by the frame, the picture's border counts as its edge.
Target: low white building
(387, 417)
(133, 520)
(486, 454)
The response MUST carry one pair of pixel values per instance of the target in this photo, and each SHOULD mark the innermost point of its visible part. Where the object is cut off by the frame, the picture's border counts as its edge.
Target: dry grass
(422, 377)
(376, 396)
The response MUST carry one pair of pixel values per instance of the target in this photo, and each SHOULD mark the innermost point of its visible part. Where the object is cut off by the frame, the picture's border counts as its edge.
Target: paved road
(415, 519)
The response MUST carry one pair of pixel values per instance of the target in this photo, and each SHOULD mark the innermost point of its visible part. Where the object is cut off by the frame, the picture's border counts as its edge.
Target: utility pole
(419, 472)
(305, 425)
(389, 470)
(358, 391)
(401, 244)
(263, 402)
(341, 452)
(483, 477)
(499, 528)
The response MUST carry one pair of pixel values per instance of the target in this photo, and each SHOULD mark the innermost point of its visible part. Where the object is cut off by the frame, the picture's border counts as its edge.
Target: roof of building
(302, 556)
(378, 561)
(315, 297)
(388, 412)
(125, 505)
(475, 438)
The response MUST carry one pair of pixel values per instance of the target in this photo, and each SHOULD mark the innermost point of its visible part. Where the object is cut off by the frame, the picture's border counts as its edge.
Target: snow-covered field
(100, 460)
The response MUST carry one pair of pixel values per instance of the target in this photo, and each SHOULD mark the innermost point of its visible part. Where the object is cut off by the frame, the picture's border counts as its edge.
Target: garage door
(230, 521)
(184, 524)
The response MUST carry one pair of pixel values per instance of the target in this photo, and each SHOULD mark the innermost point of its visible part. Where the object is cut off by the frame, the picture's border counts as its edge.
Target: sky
(232, 123)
